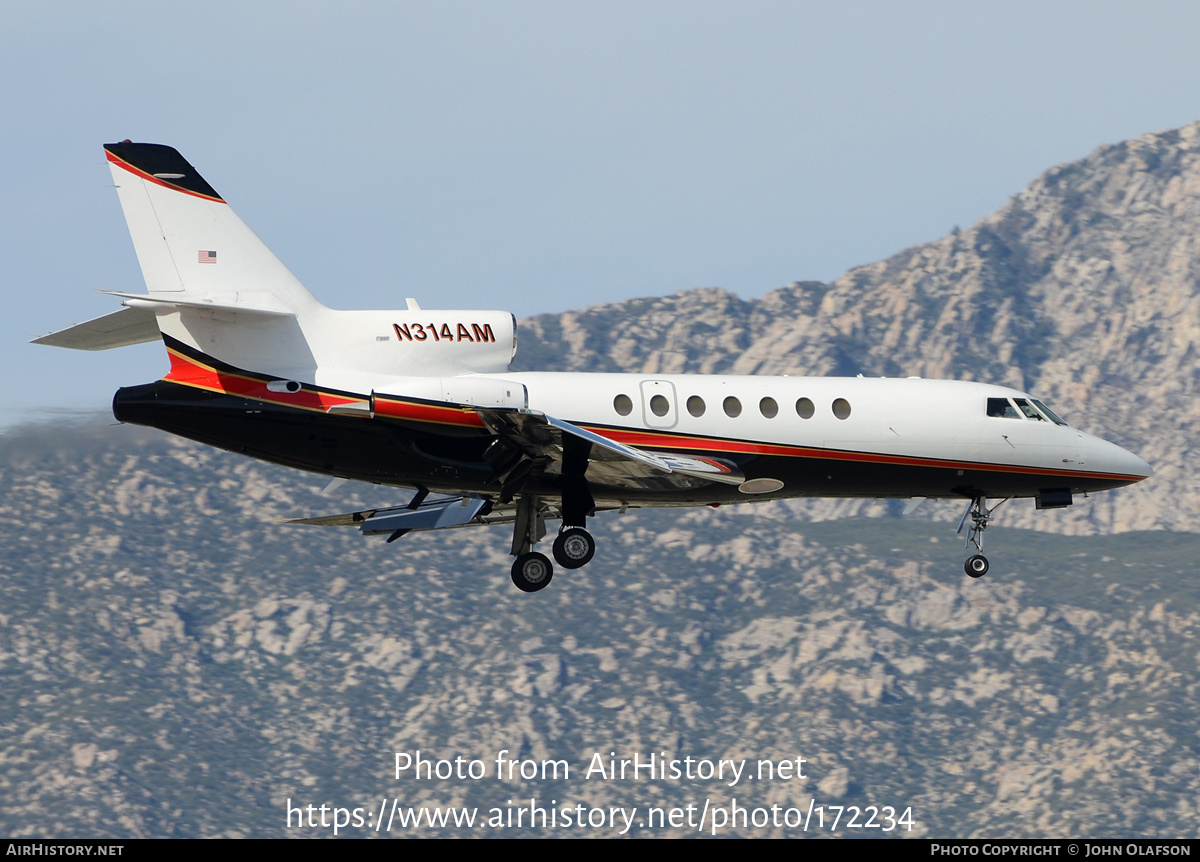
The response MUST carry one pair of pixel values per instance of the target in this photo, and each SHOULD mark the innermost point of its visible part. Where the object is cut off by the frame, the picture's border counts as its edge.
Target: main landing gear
(574, 547)
(977, 565)
(532, 572)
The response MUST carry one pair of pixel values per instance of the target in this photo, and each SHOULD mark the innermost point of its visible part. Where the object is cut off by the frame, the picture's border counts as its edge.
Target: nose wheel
(977, 510)
(976, 566)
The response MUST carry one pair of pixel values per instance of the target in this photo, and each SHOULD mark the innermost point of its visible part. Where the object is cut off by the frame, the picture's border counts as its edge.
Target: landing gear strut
(977, 566)
(573, 547)
(531, 571)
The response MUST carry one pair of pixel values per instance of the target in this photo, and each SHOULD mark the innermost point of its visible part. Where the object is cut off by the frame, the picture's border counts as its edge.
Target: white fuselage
(927, 419)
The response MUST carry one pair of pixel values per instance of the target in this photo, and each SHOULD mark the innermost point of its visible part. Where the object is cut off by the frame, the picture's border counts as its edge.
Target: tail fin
(191, 246)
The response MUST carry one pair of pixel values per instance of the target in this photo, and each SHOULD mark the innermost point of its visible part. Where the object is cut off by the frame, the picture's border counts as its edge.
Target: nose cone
(1124, 467)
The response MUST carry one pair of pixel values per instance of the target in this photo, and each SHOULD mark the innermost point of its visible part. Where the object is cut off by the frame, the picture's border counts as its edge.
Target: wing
(532, 440)
(544, 438)
(440, 513)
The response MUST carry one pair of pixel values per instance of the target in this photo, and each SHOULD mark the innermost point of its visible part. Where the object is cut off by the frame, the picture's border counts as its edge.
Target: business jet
(423, 399)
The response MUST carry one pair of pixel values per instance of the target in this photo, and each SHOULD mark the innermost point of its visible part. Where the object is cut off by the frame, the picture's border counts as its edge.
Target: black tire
(532, 572)
(574, 548)
(976, 566)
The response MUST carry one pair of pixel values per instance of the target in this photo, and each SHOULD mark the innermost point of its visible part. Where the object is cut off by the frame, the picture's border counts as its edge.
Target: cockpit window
(1002, 408)
(1054, 417)
(1029, 410)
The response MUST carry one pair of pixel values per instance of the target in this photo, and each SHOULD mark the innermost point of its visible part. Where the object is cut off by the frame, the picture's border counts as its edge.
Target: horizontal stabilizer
(165, 303)
(119, 329)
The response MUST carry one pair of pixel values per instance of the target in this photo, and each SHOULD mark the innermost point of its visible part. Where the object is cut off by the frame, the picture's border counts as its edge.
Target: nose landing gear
(977, 566)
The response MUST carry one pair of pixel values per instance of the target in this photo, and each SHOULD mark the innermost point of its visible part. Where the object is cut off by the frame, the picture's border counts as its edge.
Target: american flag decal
(206, 257)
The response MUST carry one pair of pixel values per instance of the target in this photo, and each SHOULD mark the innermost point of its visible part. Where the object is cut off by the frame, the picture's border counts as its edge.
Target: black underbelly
(386, 452)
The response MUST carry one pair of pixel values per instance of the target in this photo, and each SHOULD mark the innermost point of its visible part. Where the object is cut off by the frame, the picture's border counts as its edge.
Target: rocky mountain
(174, 662)
(1084, 289)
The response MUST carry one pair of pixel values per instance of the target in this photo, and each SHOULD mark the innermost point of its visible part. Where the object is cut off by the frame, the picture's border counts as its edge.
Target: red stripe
(189, 372)
(398, 409)
(121, 163)
(654, 440)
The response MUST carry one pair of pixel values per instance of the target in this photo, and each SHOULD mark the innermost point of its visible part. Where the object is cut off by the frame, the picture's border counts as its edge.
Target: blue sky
(540, 157)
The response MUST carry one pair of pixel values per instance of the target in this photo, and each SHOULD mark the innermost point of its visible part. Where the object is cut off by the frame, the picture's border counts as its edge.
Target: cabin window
(805, 408)
(841, 408)
(695, 406)
(768, 408)
(1002, 408)
(1054, 417)
(660, 406)
(733, 407)
(623, 404)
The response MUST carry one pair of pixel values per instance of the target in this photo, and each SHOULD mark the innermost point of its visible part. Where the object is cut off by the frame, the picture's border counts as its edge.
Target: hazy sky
(545, 156)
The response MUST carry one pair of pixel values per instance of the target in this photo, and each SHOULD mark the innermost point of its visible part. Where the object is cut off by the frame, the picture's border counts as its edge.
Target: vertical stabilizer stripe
(151, 178)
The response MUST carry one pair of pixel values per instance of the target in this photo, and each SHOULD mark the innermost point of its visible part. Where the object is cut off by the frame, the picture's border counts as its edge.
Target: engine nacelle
(485, 392)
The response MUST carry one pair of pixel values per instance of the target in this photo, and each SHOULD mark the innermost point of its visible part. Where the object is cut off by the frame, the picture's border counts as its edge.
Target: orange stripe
(190, 372)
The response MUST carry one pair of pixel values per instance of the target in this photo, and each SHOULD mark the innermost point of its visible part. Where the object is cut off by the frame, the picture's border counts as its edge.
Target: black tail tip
(162, 164)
